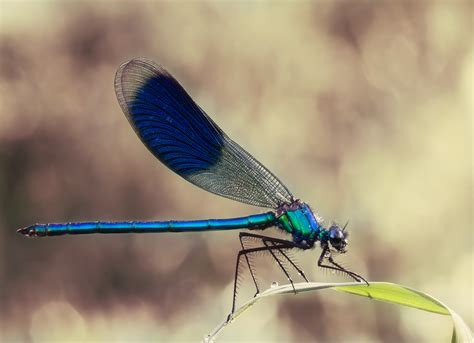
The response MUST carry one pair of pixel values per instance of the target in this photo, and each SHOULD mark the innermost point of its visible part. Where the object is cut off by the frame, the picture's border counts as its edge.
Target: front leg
(326, 254)
(356, 276)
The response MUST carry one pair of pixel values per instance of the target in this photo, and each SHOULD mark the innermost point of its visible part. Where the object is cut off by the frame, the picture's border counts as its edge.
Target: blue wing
(181, 135)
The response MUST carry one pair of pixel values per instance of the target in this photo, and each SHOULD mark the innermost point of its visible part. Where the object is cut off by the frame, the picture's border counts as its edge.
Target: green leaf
(381, 291)
(396, 294)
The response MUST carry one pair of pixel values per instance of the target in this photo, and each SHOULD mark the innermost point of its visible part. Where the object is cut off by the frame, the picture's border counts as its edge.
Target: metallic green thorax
(300, 221)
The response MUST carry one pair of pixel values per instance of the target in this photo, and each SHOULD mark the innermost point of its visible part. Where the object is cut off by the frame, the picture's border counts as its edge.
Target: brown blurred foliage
(363, 108)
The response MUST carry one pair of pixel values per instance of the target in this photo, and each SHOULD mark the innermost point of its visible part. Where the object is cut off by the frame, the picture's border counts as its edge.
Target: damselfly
(183, 137)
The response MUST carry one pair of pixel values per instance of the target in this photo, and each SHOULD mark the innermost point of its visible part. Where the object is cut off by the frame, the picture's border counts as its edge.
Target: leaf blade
(380, 291)
(396, 294)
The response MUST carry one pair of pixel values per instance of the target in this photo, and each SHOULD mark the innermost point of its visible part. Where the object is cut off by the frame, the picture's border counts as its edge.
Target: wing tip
(143, 63)
(134, 67)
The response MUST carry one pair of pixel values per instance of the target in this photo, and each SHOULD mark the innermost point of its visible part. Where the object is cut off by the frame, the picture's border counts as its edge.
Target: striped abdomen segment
(258, 221)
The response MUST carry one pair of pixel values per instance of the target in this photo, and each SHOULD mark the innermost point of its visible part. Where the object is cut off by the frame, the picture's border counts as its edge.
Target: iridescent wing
(182, 136)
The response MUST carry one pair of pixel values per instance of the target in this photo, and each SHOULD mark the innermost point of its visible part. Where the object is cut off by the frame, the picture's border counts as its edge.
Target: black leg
(277, 244)
(356, 276)
(252, 272)
(300, 271)
(337, 267)
(280, 264)
(285, 242)
(239, 256)
(236, 276)
(274, 242)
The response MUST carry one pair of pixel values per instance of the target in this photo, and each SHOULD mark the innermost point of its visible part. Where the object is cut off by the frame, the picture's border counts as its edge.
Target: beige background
(363, 109)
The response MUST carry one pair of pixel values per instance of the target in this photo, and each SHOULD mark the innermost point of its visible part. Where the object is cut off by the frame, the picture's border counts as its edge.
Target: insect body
(183, 137)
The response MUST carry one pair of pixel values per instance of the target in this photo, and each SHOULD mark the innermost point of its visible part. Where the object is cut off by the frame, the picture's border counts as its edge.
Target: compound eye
(335, 233)
(337, 238)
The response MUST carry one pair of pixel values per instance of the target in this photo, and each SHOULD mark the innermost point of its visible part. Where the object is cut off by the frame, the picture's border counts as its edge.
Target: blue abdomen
(257, 221)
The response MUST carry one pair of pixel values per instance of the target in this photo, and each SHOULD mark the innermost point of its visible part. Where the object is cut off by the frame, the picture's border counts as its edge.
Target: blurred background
(362, 108)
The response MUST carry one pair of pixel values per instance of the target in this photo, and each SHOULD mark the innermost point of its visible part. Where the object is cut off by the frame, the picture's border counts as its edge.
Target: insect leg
(279, 263)
(299, 270)
(337, 267)
(356, 276)
(252, 272)
(241, 253)
(284, 244)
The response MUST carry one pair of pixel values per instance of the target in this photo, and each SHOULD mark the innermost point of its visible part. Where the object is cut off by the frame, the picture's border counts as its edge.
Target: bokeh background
(363, 109)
